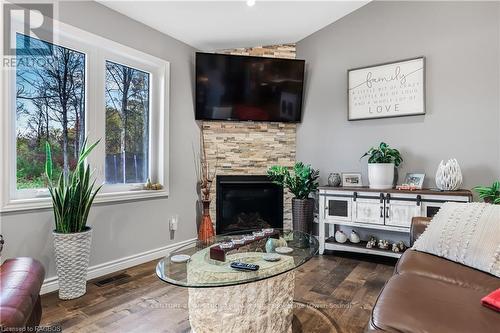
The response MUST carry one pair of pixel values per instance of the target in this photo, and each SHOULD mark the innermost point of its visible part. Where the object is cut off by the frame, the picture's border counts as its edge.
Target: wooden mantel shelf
(424, 191)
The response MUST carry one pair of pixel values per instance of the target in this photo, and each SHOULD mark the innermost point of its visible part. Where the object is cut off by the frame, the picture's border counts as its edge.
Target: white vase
(381, 175)
(354, 237)
(72, 262)
(340, 237)
(449, 175)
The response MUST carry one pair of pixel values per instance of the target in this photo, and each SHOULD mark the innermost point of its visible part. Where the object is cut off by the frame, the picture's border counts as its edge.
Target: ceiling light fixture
(250, 3)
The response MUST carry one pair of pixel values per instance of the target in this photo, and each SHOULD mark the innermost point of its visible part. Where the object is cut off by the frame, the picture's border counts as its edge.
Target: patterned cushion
(467, 233)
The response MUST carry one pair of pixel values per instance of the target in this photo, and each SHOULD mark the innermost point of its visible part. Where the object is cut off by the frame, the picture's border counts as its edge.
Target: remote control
(244, 267)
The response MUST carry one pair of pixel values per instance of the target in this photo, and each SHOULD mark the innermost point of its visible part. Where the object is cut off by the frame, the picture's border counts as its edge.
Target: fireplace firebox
(248, 202)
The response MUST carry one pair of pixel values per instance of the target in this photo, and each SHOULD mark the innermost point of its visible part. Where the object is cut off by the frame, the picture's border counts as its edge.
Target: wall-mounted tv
(230, 87)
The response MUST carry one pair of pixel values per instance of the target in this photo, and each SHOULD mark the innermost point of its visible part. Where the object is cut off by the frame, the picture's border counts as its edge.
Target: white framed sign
(394, 89)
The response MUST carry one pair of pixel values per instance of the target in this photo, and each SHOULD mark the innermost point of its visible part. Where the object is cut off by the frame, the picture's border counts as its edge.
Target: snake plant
(489, 193)
(73, 193)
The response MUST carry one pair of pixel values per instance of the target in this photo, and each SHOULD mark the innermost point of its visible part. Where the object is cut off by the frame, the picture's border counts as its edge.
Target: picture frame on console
(352, 179)
(415, 180)
(387, 90)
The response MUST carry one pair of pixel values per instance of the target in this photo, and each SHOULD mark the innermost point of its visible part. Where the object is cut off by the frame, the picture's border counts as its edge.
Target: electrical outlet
(174, 222)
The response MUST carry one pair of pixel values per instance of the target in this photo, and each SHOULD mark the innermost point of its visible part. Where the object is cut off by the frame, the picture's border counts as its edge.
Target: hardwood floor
(333, 294)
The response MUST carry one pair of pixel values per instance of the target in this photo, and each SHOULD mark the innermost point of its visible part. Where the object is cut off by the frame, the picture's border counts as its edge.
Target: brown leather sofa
(20, 283)
(431, 294)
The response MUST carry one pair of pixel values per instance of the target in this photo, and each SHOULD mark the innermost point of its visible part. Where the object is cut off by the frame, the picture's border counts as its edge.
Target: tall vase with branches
(205, 181)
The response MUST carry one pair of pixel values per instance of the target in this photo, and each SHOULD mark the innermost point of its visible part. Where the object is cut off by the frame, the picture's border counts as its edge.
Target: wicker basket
(72, 261)
(302, 214)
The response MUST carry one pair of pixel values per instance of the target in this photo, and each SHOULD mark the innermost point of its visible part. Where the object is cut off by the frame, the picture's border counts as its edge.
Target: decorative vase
(354, 237)
(340, 237)
(449, 176)
(72, 261)
(381, 175)
(206, 226)
(334, 180)
(302, 214)
(271, 244)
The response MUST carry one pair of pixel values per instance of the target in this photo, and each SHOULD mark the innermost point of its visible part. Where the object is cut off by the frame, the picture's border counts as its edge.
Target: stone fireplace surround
(251, 148)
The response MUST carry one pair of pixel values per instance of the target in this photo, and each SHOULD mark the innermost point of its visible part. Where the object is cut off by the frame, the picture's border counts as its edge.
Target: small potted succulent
(490, 194)
(382, 162)
(72, 197)
(302, 181)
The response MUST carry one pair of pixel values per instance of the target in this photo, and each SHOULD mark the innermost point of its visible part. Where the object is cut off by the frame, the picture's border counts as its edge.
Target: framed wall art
(394, 89)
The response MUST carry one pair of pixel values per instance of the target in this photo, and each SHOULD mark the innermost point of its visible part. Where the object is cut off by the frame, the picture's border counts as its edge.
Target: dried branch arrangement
(205, 177)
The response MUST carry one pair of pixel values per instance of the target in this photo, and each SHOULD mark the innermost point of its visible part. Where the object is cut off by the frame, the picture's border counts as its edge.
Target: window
(127, 124)
(50, 99)
(87, 87)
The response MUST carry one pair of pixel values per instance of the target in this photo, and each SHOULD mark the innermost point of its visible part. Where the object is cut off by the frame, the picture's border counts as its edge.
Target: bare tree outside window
(127, 124)
(50, 107)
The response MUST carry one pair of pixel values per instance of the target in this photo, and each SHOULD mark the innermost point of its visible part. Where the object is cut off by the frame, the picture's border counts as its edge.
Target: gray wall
(461, 44)
(126, 229)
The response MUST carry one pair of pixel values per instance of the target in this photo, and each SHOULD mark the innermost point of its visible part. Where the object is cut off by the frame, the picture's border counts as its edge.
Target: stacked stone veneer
(250, 148)
(274, 51)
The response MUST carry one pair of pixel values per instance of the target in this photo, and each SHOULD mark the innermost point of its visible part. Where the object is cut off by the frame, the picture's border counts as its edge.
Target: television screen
(230, 87)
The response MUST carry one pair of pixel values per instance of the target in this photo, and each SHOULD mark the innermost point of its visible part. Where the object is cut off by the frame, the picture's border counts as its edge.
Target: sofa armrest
(418, 225)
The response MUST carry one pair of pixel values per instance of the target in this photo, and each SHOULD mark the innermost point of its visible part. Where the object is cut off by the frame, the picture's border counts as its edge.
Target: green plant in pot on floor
(382, 163)
(490, 194)
(300, 181)
(72, 196)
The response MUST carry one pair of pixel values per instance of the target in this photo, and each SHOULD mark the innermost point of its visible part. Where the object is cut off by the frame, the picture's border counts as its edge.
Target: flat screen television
(230, 87)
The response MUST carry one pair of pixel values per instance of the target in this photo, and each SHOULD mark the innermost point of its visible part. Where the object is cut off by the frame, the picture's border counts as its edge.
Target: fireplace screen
(248, 202)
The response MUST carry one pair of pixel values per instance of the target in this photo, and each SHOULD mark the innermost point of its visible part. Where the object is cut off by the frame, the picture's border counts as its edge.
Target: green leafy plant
(301, 181)
(489, 194)
(384, 154)
(72, 194)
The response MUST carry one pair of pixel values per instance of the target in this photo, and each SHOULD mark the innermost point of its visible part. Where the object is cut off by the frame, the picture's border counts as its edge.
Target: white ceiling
(212, 25)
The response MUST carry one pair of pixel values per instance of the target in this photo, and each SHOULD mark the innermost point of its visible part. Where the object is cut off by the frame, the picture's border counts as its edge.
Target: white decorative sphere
(449, 176)
(354, 237)
(340, 237)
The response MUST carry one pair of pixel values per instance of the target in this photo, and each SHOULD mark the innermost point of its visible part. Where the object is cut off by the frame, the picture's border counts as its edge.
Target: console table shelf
(384, 214)
(332, 244)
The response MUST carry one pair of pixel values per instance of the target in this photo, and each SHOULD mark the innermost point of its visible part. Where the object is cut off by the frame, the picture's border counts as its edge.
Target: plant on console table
(490, 194)
(301, 181)
(72, 197)
(382, 163)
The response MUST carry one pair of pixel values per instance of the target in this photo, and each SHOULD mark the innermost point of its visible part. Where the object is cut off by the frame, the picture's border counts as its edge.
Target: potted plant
(72, 196)
(490, 194)
(301, 182)
(382, 162)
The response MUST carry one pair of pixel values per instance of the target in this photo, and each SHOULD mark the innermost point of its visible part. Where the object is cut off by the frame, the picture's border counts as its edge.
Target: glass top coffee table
(225, 299)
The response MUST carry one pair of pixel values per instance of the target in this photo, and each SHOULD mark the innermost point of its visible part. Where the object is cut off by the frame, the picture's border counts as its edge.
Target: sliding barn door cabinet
(377, 213)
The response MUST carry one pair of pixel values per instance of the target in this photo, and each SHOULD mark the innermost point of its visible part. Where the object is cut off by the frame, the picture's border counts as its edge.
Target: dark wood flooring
(333, 293)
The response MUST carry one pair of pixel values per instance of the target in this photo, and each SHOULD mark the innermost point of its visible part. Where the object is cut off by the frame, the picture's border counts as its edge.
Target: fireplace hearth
(248, 202)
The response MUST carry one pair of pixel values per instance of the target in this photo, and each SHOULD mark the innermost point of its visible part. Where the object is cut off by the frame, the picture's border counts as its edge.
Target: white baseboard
(51, 284)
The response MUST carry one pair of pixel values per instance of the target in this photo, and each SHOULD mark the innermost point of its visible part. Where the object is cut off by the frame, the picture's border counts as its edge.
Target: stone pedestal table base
(262, 306)
(265, 306)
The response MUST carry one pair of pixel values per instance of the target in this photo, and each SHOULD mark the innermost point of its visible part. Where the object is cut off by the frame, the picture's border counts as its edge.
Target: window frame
(97, 50)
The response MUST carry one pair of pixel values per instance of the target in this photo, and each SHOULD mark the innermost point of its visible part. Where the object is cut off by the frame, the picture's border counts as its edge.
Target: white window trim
(97, 49)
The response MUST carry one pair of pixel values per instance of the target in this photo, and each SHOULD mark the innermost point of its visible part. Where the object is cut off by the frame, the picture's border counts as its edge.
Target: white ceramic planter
(381, 175)
(72, 261)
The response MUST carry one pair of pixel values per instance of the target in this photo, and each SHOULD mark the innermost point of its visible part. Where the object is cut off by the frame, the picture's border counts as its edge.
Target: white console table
(368, 211)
